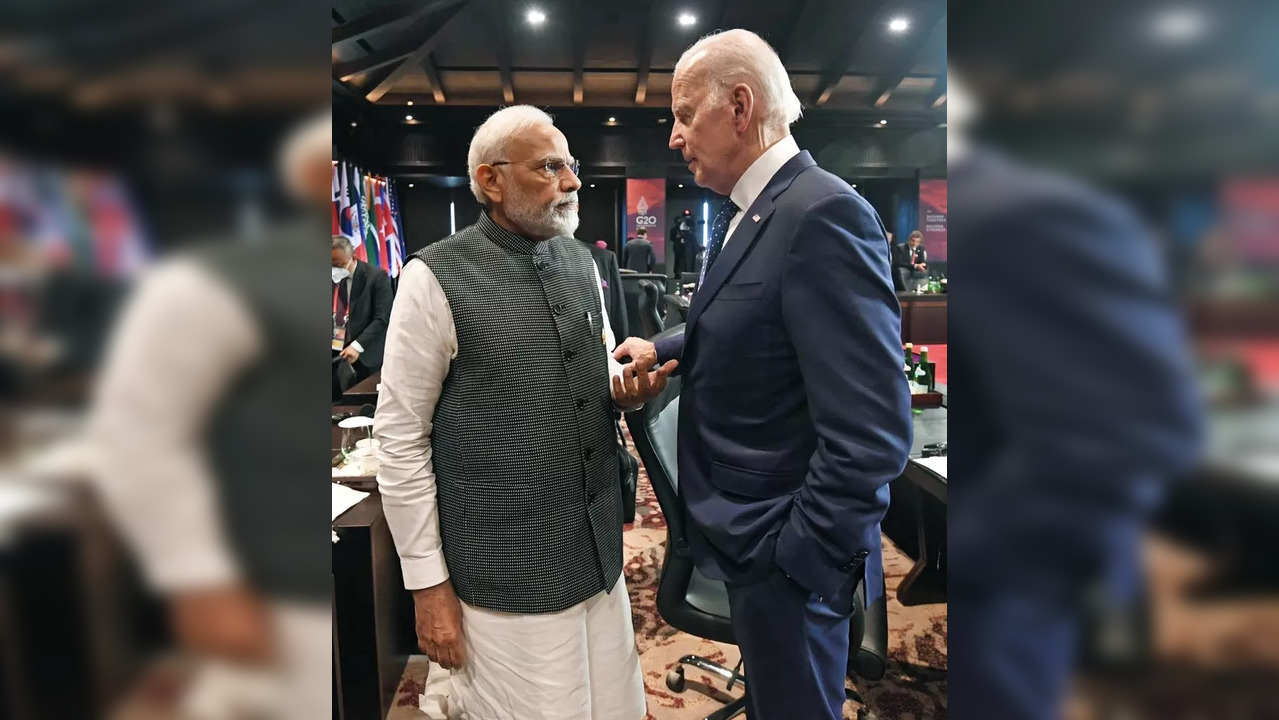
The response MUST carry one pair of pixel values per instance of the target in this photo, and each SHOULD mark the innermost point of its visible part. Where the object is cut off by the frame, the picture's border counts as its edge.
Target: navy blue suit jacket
(794, 411)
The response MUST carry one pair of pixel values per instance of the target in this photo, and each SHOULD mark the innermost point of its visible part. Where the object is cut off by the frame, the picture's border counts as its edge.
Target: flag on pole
(348, 213)
(368, 226)
(359, 216)
(386, 228)
(337, 197)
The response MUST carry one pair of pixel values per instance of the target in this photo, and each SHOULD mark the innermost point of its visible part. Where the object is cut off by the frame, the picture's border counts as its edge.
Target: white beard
(545, 221)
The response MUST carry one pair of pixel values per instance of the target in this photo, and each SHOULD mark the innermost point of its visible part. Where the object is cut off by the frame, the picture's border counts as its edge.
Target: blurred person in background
(199, 415)
(638, 253)
(910, 261)
(1072, 395)
(362, 298)
(498, 474)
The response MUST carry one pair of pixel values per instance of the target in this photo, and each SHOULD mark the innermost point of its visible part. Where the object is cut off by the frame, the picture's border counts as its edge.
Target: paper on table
(936, 464)
(345, 498)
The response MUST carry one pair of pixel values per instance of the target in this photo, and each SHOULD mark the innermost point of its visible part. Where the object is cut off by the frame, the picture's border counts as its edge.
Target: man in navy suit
(794, 411)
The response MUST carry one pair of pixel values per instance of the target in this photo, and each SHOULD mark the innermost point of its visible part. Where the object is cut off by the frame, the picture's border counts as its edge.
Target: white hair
(727, 58)
(489, 143)
(310, 142)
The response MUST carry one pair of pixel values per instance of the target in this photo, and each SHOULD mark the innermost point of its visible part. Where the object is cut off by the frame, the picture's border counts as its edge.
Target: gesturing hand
(637, 387)
(643, 354)
(439, 625)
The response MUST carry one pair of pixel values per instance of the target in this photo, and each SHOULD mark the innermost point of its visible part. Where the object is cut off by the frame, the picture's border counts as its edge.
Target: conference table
(373, 626)
(923, 318)
(365, 391)
(917, 513)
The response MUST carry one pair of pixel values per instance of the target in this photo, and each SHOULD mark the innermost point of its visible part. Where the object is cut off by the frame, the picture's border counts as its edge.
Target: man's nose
(570, 182)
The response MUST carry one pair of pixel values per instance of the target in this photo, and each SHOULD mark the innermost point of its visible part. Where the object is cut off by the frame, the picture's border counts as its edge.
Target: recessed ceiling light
(408, 117)
(411, 185)
(687, 19)
(899, 25)
(592, 184)
(1179, 25)
(612, 119)
(681, 184)
(662, 120)
(883, 123)
(353, 124)
(410, 102)
(854, 184)
(535, 16)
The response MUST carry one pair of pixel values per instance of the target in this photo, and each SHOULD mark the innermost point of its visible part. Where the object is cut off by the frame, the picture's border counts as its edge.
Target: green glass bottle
(922, 379)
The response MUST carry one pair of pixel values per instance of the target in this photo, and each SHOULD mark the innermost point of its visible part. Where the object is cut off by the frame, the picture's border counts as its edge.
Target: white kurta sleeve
(421, 342)
(181, 341)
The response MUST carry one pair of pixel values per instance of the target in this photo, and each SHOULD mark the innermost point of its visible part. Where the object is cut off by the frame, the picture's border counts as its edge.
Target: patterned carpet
(914, 687)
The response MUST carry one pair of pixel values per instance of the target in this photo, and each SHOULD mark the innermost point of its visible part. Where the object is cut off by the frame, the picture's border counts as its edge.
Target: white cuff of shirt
(358, 347)
(424, 572)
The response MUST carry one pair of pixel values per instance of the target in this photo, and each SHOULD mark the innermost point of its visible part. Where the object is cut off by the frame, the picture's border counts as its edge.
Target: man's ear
(490, 185)
(743, 100)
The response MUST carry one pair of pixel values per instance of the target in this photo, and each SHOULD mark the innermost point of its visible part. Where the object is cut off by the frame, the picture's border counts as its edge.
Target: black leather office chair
(649, 301)
(673, 310)
(642, 292)
(695, 604)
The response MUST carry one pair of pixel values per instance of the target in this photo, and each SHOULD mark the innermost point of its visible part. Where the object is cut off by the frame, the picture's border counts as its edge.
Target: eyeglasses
(550, 166)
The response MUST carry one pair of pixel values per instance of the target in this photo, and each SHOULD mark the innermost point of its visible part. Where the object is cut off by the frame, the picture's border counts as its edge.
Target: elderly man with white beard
(498, 473)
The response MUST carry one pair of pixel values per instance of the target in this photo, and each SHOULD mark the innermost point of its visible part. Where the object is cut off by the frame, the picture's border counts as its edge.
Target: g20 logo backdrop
(646, 208)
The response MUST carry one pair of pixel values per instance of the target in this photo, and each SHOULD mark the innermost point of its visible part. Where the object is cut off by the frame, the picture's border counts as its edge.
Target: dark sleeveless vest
(523, 442)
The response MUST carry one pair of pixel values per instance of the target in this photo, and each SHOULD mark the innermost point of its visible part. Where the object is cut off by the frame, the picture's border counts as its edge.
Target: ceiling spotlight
(883, 123)
(408, 117)
(410, 103)
(681, 184)
(687, 19)
(661, 121)
(1179, 25)
(411, 185)
(612, 119)
(899, 25)
(592, 184)
(854, 184)
(353, 124)
(535, 16)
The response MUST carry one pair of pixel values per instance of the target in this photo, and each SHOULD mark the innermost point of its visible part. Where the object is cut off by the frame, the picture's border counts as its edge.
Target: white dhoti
(297, 688)
(579, 664)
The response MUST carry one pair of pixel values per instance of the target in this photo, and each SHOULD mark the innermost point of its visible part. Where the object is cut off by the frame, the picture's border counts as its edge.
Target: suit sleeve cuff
(358, 347)
(424, 572)
(797, 560)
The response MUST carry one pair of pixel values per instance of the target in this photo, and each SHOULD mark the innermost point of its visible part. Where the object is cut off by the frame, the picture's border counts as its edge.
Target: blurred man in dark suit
(1074, 406)
(361, 311)
(611, 284)
(910, 261)
(638, 253)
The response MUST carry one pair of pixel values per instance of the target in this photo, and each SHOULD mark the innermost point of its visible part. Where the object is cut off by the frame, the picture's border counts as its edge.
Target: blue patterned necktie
(719, 231)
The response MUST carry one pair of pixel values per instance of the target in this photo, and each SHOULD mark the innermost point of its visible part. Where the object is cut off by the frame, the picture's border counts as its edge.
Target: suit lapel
(744, 236)
(358, 278)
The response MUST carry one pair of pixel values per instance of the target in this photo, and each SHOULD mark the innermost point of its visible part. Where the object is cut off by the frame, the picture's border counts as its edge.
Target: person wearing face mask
(361, 311)
(498, 465)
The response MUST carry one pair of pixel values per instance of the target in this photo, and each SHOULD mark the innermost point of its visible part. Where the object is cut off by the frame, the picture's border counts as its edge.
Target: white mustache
(570, 199)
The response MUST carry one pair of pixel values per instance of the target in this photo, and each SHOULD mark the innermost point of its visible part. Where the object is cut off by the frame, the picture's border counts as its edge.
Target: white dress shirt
(756, 178)
(421, 342)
